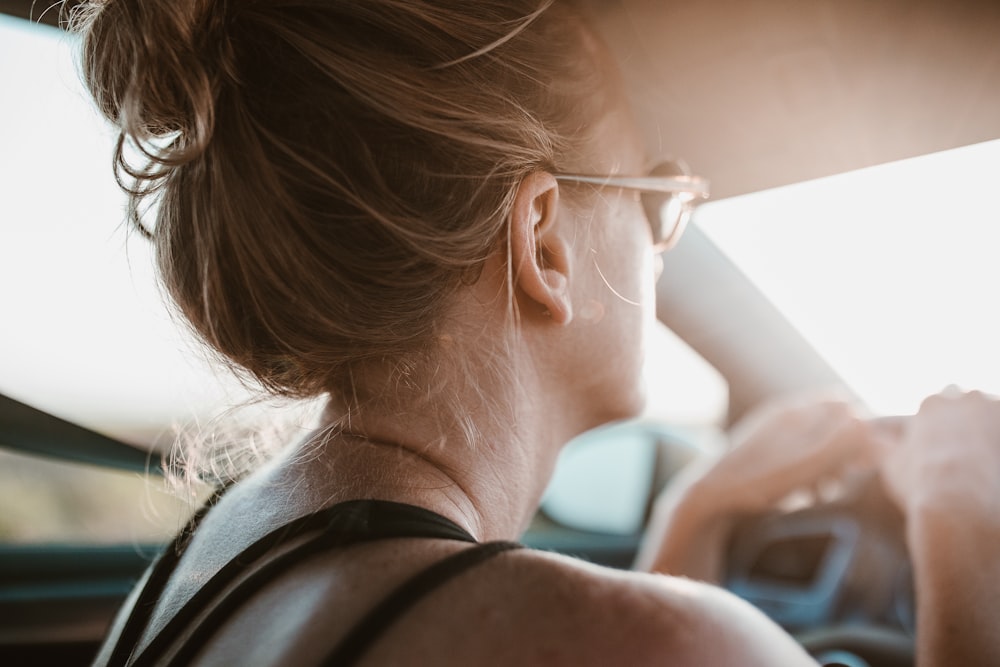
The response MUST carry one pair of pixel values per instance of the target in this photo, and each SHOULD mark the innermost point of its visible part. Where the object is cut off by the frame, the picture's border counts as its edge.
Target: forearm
(956, 562)
(782, 449)
(687, 532)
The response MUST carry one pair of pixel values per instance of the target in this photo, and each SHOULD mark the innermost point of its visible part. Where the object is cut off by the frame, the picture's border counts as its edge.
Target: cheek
(646, 290)
(640, 315)
(626, 304)
(619, 298)
(622, 272)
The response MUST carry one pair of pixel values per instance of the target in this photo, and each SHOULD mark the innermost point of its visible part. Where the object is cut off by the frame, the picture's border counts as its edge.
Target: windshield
(890, 272)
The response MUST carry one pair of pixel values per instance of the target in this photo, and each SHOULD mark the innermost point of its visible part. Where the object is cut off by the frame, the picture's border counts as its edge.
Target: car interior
(853, 150)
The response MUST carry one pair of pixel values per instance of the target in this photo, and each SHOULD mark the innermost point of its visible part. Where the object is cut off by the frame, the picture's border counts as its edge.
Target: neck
(473, 436)
(490, 486)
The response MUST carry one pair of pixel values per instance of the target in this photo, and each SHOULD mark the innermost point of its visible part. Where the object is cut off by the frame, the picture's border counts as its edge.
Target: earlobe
(540, 251)
(561, 309)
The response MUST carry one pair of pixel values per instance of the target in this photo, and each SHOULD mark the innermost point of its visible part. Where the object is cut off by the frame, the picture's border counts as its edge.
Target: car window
(890, 272)
(46, 501)
(86, 334)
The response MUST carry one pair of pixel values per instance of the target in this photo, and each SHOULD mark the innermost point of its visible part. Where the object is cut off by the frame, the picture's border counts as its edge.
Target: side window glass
(45, 501)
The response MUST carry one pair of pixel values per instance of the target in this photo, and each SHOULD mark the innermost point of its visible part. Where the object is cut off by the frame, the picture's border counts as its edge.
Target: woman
(415, 209)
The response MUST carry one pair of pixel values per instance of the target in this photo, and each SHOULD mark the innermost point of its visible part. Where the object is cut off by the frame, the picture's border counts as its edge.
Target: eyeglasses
(668, 195)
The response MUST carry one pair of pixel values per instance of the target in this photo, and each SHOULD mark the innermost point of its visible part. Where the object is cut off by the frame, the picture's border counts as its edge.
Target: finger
(887, 431)
(846, 445)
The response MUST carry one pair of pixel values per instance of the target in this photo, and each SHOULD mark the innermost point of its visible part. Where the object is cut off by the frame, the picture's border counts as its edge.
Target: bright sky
(891, 272)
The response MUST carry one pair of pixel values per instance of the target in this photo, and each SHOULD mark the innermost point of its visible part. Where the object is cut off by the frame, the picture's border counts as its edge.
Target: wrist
(949, 538)
(687, 529)
(953, 548)
(952, 507)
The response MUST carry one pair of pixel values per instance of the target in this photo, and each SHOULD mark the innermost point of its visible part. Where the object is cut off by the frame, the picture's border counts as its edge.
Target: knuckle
(931, 402)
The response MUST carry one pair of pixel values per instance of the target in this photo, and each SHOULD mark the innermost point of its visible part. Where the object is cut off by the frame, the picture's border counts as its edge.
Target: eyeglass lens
(667, 213)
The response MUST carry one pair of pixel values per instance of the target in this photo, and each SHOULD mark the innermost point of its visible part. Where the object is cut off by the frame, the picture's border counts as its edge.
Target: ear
(540, 250)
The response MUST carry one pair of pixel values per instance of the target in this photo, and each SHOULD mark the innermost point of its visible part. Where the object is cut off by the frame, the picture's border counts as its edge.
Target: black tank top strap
(341, 525)
(397, 603)
(159, 573)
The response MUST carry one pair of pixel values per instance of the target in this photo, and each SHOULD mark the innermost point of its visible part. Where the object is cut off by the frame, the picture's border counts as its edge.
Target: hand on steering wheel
(784, 446)
(942, 467)
(947, 453)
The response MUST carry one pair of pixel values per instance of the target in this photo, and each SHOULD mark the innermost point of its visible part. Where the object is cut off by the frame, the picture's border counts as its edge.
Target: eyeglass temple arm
(695, 185)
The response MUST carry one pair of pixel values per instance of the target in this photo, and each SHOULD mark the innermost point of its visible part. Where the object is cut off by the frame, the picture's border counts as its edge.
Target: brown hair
(326, 173)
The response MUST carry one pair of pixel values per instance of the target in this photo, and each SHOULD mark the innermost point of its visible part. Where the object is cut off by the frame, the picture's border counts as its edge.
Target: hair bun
(145, 63)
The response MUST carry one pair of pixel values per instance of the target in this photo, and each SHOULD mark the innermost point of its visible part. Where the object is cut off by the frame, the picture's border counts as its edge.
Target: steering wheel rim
(879, 647)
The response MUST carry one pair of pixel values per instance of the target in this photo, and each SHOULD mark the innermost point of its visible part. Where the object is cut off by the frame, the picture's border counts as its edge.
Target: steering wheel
(836, 575)
(859, 646)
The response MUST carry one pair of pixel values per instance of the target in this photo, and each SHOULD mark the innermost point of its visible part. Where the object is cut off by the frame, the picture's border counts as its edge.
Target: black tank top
(339, 526)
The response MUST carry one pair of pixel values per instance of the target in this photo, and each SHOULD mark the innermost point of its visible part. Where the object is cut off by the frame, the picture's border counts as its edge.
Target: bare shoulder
(589, 614)
(522, 607)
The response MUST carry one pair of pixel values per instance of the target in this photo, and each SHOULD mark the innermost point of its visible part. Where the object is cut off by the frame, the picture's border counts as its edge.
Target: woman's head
(328, 174)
